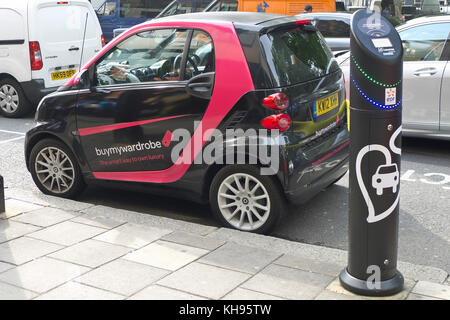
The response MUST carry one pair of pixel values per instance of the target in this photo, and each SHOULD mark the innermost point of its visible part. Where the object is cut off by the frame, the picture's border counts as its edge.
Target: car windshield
(387, 169)
(297, 55)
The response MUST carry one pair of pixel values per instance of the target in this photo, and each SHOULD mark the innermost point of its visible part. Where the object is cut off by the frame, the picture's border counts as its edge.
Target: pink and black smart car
(245, 111)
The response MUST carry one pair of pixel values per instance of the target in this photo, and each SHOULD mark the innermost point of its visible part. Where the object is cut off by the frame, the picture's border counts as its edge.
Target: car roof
(424, 20)
(242, 18)
(326, 14)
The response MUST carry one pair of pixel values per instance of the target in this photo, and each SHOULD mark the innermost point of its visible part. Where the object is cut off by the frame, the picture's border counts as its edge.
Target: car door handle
(201, 86)
(74, 49)
(425, 72)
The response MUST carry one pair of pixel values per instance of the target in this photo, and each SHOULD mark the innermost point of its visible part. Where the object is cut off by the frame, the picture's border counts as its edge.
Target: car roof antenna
(84, 37)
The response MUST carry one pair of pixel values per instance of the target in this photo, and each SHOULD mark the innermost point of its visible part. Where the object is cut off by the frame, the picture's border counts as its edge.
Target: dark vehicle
(191, 6)
(114, 14)
(334, 26)
(146, 111)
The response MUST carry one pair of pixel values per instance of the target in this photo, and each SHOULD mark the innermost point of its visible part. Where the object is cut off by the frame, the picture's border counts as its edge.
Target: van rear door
(59, 28)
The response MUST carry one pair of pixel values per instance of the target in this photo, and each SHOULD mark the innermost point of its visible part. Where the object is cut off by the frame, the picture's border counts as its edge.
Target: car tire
(13, 103)
(55, 169)
(255, 205)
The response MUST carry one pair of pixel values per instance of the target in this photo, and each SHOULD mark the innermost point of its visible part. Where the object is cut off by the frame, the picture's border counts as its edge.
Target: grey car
(334, 26)
(426, 76)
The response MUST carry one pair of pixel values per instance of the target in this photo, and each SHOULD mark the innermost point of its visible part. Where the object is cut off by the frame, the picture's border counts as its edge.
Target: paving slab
(67, 233)
(149, 220)
(156, 292)
(434, 290)
(91, 253)
(122, 276)
(193, 240)
(46, 216)
(288, 283)
(133, 235)
(95, 219)
(10, 230)
(9, 292)
(37, 197)
(22, 250)
(5, 266)
(244, 294)
(42, 274)
(204, 280)
(166, 255)
(15, 207)
(240, 258)
(415, 296)
(77, 291)
(307, 264)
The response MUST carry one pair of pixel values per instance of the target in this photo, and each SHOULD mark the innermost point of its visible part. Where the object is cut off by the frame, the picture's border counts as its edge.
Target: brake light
(302, 22)
(280, 122)
(35, 56)
(276, 101)
(103, 41)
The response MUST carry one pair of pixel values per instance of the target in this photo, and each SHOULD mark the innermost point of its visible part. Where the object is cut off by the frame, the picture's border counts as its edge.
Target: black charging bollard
(376, 69)
(2, 196)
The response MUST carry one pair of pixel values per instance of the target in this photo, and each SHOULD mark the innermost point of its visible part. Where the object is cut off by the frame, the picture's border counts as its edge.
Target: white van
(41, 42)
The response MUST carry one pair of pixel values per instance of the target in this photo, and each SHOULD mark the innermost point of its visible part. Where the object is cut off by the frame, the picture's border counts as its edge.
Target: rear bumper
(313, 168)
(35, 90)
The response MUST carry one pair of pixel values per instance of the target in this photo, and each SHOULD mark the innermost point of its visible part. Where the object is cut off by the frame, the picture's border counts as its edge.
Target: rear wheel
(55, 170)
(243, 199)
(13, 103)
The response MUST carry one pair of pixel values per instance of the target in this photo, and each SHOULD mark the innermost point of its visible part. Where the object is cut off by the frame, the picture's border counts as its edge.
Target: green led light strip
(372, 79)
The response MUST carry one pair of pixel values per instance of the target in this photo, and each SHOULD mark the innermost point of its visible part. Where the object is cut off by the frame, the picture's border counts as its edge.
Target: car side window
(424, 43)
(107, 9)
(200, 58)
(144, 57)
(142, 8)
(333, 28)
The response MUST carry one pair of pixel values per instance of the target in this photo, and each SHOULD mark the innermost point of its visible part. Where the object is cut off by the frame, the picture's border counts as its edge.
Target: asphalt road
(424, 236)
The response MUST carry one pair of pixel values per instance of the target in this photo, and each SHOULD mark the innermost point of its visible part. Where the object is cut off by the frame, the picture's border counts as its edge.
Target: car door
(423, 69)
(141, 93)
(444, 121)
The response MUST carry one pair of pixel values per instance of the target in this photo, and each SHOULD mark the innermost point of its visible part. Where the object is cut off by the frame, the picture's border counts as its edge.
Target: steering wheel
(175, 74)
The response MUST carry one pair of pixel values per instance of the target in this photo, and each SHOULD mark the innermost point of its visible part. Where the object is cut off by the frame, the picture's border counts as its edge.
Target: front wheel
(55, 170)
(243, 199)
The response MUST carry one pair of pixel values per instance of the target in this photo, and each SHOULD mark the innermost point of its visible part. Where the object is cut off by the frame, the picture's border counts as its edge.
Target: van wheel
(55, 170)
(13, 103)
(243, 199)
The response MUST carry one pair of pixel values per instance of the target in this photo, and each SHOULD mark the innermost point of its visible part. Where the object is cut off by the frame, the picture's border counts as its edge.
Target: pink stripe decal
(117, 126)
(232, 80)
(330, 154)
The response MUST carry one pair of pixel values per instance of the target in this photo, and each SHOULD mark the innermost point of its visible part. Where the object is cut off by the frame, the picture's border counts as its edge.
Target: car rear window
(296, 55)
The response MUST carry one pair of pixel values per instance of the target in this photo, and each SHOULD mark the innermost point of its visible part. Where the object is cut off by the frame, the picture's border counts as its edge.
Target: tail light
(103, 41)
(35, 56)
(280, 122)
(276, 101)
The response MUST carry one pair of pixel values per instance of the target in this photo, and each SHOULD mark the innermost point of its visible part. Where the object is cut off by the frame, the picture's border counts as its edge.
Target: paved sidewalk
(52, 248)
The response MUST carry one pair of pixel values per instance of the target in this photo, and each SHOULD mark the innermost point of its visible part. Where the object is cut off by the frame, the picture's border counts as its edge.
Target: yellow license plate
(63, 74)
(326, 104)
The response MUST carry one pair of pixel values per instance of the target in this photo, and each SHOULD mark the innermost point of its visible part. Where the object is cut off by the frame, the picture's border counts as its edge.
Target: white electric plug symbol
(386, 176)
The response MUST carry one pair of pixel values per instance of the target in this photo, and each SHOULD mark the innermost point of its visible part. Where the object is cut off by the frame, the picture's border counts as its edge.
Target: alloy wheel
(243, 201)
(55, 170)
(9, 98)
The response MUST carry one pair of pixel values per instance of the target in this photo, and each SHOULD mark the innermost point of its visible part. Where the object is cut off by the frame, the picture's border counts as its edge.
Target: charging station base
(384, 288)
